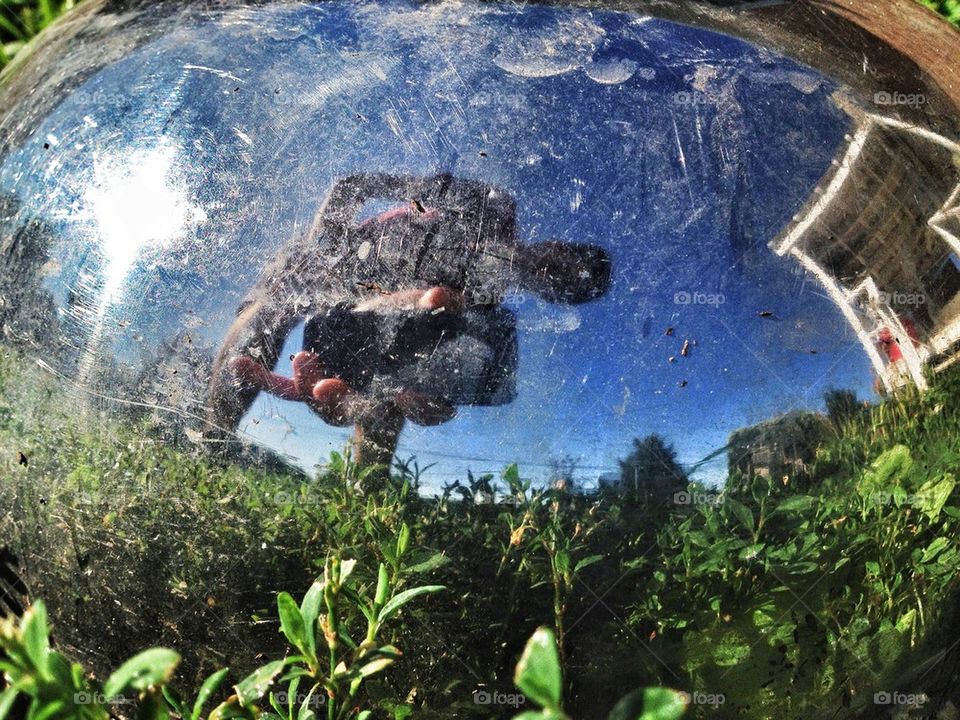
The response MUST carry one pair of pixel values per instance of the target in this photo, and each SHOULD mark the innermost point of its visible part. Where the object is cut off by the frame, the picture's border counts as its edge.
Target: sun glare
(137, 205)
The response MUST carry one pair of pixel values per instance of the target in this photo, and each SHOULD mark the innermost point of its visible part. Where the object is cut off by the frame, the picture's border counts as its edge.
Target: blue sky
(680, 151)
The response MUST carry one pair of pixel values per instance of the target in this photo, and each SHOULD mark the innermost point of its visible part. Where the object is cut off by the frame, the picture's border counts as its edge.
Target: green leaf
(511, 476)
(538, 674)
(255, 685)
(277, 707)
(383, 586)
(370, 663)
(886, 472)
(36, 638)
(906, 621)
(587, 562)
(432, 562)
(375, 666)
(742, 513)
(401, 599)
(209, 687)
(310, 611)
(49, 709)
(145, 670)
(650, 704)
(796, 504)
(934, 549)
(403, 541)
(12, 29)
(306, 712)
(346, 570)
(291, 622)
(933, 495)
(306, 707)
(173, 699)
(731, 649)
(6, 701)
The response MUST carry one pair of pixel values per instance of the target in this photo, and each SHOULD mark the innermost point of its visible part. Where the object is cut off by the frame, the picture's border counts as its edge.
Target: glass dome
(665, 263)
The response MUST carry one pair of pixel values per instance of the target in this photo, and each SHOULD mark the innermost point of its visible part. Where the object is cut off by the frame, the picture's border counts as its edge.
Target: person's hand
(335, 401)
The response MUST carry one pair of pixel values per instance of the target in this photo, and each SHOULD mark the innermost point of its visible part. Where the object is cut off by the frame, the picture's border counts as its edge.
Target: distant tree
(28, 315)
(651, 469)
(842, 406)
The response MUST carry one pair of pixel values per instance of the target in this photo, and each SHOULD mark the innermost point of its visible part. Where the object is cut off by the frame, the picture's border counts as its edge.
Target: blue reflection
(679, 150)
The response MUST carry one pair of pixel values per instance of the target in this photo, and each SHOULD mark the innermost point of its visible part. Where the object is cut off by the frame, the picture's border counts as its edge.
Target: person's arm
(348, 195)
(283, 296)
(258, 332)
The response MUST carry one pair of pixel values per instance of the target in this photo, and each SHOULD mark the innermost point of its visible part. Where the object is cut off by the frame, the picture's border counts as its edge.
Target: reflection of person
(378, 424)
(889, 344)
(452, 241)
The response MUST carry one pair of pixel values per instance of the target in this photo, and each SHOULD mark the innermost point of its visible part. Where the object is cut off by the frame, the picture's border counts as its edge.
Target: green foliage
(776, 597)
(650, 704)
(57, 689)
(782, 595)
(950, 9)
(539, 675)
(336, 676)
(142, 672)
(20, 20)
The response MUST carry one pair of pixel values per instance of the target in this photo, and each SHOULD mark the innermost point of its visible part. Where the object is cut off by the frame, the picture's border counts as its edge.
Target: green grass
(950, 9)
(20, 20)
(787, 596)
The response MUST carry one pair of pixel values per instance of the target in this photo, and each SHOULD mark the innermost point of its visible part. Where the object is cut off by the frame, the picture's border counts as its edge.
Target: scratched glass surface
(173, 177)
(465, 234)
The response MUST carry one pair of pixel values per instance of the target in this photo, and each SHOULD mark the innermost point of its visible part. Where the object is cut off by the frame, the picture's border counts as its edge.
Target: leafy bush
(57, 690)
(784, 595)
